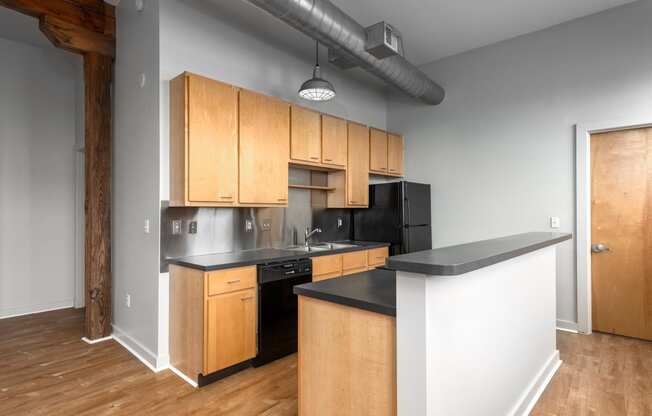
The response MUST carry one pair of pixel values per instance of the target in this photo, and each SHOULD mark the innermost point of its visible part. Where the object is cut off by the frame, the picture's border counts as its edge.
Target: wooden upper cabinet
(395, 154)
(357, 174)
(333, 139)
(377, 151)
(264, 149)
(305, 135)
(203, 142)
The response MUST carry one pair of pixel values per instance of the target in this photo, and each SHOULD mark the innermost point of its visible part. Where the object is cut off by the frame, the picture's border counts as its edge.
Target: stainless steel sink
(310, 249)
(321, 247)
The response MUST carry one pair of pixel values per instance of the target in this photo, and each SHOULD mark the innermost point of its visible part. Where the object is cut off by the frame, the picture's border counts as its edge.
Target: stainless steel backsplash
(222, 230)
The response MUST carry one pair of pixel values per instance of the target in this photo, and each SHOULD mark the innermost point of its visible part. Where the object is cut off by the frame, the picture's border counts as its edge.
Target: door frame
(583, 132)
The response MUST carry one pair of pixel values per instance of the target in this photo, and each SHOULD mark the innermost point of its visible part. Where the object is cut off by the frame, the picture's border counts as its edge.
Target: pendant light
(316, 88)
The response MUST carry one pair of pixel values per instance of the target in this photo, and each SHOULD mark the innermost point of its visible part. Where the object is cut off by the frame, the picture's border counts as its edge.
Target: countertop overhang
(374, 290)
(464, 258)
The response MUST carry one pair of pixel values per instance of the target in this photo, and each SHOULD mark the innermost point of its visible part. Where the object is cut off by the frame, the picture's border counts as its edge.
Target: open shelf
(313, 187)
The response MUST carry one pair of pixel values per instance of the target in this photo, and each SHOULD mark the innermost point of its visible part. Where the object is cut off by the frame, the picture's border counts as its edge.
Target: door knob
(599, 248)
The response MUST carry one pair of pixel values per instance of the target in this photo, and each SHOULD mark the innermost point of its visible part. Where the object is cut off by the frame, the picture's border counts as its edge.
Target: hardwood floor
(45, 369)
(601, 375)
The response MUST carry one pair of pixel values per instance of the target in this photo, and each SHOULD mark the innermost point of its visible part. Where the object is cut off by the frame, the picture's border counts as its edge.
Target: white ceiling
(432, 29)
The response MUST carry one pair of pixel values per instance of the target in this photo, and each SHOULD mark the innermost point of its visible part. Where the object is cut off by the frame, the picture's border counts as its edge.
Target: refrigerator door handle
(407, 208)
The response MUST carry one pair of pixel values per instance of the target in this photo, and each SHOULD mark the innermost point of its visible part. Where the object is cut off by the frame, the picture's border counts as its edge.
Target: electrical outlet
(176, 227)
(555, 222)
(249, 226)
(128, 300)
(267, 225)
(146, 226)
(192, 227)
(340, 222)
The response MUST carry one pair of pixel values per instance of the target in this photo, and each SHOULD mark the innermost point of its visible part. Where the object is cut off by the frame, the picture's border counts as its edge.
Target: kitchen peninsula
(454, 321)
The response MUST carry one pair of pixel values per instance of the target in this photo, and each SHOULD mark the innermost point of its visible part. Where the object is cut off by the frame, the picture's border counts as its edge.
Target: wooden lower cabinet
(212, 319)
(337, 265)
(230, 329)
(376, 257)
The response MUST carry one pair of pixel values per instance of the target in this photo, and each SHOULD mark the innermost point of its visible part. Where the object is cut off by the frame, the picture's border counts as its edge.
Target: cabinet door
(305, 135)
(326, 267)
(395, 154)
(333, 139)
(354, 262)
(357, 174)
(264, 149)
(378, 151)
(212, 141)
(230, 329)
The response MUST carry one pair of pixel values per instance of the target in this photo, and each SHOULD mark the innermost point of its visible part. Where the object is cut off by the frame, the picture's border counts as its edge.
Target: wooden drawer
(326, 267)
(354, 262)
(230, 280)
(377, 256)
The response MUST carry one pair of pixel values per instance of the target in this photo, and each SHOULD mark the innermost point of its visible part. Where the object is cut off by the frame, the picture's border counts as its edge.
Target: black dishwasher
(278, 307)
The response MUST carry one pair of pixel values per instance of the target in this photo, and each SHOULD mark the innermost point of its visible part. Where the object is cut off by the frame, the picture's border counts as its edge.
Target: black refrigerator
(399, 214)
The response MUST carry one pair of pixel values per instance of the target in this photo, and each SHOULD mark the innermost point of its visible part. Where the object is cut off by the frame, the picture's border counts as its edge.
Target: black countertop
(464, 258)
(210, 262)
(374, 291)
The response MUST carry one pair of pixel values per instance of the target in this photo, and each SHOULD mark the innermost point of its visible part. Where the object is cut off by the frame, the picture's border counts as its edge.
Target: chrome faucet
(310, 234)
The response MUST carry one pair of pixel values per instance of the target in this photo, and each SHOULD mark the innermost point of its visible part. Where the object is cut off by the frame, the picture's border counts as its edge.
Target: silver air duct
(325, 22)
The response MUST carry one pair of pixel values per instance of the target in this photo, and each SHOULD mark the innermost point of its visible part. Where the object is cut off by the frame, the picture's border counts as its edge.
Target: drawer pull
(226, 197)
(247, 298)
(233, 281)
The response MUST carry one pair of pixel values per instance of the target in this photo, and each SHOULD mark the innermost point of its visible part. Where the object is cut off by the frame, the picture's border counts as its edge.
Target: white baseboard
(567, 326)
(144, 354)
(95, 341)
(537, 386)
(183, 376)
(32, 309)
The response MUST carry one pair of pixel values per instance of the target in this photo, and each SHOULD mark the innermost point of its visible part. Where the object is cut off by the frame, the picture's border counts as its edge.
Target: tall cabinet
(357, 174)
(203, 142)
(264, 149)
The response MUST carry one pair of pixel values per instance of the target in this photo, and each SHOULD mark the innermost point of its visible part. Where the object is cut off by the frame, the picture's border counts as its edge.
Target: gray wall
(499, 151)
(38, 129)
(135, 253)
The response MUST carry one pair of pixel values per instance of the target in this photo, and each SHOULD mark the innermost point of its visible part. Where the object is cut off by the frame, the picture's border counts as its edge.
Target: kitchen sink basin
(321, 247)
(311, 249)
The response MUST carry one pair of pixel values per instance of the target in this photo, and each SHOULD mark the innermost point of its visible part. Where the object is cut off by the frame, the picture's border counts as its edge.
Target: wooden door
(212, 141)
(377, 151)
(305, 135)
(333, 139)
(230, 329)
(264, 149)
(395, 154)
(621, 207)
(357, 174)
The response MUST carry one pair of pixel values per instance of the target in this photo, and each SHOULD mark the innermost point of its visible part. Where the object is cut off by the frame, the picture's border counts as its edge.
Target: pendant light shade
(317, 88)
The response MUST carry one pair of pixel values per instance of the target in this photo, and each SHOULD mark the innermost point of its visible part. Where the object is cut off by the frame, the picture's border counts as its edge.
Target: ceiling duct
(325, 22)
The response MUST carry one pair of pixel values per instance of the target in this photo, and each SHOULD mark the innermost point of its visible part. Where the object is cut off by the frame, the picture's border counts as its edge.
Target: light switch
(555, 222)
(146, 226)
(249, 226)
(192, 227)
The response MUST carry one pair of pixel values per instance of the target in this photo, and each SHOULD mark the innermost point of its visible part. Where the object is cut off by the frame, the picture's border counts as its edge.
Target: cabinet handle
(314, 158)
(233, 281)
(282, 199)
(226, 197)
(392, 170)
(247, 298)
(328, 160)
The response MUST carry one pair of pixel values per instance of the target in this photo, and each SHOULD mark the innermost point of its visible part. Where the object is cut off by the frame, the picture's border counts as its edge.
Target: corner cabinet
(212, 320)
(385, 153)
(203, 142)
(264, 150)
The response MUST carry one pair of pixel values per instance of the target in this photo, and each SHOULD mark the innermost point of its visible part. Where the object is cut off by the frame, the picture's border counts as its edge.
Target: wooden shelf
(312, 187)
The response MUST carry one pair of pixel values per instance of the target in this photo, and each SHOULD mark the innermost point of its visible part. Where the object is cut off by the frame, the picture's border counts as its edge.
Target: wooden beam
(75, 38)
(97, 78)
(93, 15)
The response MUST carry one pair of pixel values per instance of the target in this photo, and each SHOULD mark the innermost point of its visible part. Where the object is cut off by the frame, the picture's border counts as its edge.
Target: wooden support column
(97, 78)
(87, 27)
